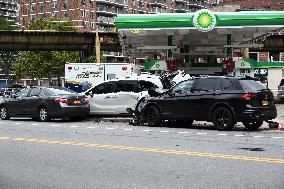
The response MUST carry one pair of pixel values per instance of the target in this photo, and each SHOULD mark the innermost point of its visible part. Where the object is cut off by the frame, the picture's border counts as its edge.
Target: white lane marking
(201, 133)
(182, 132)
(239, 135)
(277, 137)
(147, 130)
(73, 126)
(258, 136)
(110, 128)
(17, 123)
(222, 134)
(91, 127)
(128, 129)
(164, 131)
(35, 124)
(54, 125)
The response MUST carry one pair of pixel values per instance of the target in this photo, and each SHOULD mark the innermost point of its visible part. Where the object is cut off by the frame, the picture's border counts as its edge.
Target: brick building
(86, 14)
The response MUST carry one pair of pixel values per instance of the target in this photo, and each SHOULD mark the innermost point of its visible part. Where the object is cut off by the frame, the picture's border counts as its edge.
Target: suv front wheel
(254, 125)
(153, 116)
(222, 119)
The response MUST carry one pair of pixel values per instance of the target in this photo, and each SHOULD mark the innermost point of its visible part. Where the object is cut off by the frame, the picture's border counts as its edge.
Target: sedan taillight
(248, 96)
(62, 100)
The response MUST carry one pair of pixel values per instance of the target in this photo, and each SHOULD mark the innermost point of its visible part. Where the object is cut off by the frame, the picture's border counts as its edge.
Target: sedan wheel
(4, 113)
(153, 116)
(43, 114)
(254, 125)
(222, 119)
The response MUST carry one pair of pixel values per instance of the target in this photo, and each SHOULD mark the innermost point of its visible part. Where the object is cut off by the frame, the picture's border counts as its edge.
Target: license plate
(264, 102)
(77, 101)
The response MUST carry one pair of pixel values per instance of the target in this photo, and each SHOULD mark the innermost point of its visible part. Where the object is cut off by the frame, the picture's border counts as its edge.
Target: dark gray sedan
(43, 103)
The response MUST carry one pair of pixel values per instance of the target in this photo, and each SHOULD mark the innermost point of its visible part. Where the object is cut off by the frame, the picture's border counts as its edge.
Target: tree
(92, 59)
(46, 64)
(7, 58)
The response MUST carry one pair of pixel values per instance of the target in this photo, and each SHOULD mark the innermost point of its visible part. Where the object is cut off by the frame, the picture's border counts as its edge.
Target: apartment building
(9, 9)
(86, 14)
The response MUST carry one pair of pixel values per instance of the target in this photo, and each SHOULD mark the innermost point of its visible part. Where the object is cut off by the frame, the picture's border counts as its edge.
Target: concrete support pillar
(229, 49)
(186, 51)
(170, 43)
(246, 52)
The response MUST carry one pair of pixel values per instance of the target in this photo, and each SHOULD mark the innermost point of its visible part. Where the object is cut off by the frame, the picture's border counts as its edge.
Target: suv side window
(183, 87)
(227, 85)
(35, 92)
(206, 84)
(127, 86)
(108, 87)
(146, 85)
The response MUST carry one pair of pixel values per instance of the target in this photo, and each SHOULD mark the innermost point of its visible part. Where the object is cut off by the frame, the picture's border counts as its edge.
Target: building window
(32, 18)
(83, 2)
(65, 14)
(274, 56)
(92, 15)
(42, 7)
(32, 8)
(83, 13)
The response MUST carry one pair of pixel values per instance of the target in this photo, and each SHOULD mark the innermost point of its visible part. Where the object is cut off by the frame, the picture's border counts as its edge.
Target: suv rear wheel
(254, 125)
(153, 116)
(222, 119)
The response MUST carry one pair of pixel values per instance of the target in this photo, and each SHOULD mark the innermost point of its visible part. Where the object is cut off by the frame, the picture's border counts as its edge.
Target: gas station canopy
(204, 32)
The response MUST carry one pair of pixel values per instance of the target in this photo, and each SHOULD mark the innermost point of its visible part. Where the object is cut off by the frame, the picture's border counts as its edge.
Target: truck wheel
(153, 116)
(4, 113)
(222, 119)
(254, 125)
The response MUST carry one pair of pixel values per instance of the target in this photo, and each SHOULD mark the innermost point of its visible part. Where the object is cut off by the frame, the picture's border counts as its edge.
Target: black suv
(220, 99)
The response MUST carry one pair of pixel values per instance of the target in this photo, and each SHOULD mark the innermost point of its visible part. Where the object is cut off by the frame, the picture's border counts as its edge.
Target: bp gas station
(206, 42)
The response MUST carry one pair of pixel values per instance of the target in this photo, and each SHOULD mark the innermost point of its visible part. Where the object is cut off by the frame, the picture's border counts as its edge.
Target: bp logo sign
(204, 20)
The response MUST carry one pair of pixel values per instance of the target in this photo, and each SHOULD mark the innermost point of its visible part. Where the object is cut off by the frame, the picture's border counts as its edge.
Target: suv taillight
(248, 96)
(62, 100)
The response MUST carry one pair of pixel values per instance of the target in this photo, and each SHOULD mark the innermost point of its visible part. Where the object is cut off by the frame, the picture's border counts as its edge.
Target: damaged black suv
(222, 100)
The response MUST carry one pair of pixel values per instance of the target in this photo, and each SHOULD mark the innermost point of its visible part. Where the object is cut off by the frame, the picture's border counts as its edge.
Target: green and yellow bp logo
(204, 20)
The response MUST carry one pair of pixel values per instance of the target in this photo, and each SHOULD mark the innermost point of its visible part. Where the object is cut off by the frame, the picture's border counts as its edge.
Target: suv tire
(153, 116)
(254, 125)
(222, 119)
(4, 113)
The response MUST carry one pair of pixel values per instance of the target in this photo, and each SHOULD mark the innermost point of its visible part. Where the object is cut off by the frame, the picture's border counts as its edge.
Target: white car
(113, 97)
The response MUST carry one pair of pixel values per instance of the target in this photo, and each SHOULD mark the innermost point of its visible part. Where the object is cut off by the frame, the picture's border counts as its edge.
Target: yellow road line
(152, 150)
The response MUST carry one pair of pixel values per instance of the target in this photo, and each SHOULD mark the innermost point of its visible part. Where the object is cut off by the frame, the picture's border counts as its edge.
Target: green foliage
(7, 25)
(44, 63)
(54, 24)
(91, 59)
(7, 58)
(40, 64)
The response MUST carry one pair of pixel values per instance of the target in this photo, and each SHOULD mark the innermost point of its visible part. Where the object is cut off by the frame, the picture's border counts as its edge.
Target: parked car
(219, 99)
(280, 95)
(42, 103)
(113, 97)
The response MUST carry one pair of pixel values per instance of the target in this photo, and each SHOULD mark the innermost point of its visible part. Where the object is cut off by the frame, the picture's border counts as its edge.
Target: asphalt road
(93, 154)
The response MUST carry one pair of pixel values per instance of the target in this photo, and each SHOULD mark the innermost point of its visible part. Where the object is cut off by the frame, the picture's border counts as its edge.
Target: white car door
(103, 99)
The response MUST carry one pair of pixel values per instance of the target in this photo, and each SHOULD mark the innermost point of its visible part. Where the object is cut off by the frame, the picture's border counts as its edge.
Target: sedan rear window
(60, 91)
(252, 85)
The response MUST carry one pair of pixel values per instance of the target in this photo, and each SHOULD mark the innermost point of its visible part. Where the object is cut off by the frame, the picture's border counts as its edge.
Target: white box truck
(79, 77)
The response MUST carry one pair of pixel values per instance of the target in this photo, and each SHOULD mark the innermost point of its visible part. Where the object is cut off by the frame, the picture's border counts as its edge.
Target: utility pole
(98, 46)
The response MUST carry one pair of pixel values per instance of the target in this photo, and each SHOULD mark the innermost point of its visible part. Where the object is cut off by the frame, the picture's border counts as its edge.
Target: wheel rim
(43, 114)
(222, 118)
(3, 113)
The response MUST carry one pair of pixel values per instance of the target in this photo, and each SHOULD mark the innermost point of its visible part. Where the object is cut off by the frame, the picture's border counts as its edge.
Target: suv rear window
(252, 85)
